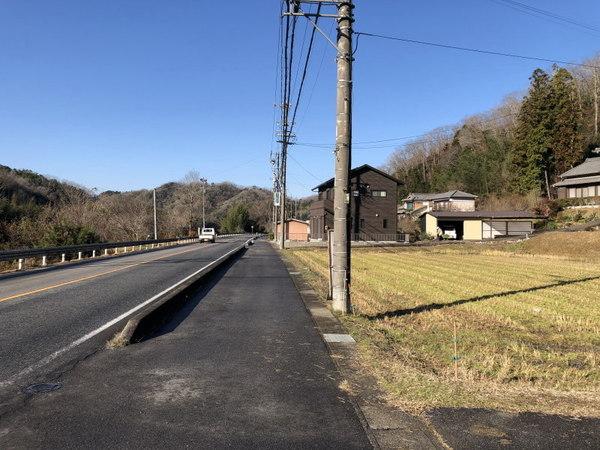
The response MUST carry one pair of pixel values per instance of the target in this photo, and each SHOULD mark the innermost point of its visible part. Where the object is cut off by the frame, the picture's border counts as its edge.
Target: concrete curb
(387, 427)
(124, 337)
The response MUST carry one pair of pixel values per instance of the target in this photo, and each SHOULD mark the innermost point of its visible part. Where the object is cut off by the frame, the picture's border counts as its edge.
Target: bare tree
(188, 199)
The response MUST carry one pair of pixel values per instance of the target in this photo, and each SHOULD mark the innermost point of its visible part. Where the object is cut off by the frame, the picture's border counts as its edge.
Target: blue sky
(130, 94)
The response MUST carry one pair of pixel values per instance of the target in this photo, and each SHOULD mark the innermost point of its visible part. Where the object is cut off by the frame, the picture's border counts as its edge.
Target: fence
(375, 237)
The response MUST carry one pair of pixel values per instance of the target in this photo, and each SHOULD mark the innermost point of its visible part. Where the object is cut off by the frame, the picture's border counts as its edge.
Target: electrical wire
(304, 72)
(314, 85)
(358, 147)
(534, 11)
(475, 50)
(304, 168)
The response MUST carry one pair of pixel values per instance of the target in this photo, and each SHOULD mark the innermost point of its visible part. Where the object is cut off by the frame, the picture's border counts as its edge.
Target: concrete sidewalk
(241, 366)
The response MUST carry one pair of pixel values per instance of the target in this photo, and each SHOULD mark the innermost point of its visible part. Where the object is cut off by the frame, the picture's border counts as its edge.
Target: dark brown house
(373, 206)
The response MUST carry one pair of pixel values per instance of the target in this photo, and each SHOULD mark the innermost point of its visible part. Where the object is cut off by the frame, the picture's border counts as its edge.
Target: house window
(572, 193)
(385, 223)
(591, 191)
(379, 193)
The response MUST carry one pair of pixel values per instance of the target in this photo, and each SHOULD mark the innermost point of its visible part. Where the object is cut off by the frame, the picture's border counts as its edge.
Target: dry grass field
(526, 325)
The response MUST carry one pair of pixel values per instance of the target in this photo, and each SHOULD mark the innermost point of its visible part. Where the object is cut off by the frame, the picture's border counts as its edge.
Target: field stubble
(527, 327)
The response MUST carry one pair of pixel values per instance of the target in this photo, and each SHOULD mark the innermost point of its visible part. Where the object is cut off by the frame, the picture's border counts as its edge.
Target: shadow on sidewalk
(169, 316)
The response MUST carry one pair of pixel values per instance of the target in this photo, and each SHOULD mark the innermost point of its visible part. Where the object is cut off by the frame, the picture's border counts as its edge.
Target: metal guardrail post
(63, 258)
(20, 266)
(79, 255)
(44, 261)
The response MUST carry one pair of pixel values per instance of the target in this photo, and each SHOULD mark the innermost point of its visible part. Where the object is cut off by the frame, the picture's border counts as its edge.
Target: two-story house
(373, 205)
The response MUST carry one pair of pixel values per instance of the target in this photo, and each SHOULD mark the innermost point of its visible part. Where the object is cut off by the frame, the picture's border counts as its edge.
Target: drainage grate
(42, 388)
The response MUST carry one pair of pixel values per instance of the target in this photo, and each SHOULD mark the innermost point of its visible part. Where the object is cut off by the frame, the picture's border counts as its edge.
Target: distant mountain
(37, 210)
(20, 187)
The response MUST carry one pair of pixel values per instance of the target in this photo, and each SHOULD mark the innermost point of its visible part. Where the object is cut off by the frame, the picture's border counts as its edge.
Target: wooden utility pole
(595, 102)
(343, 160)
(154, 204)
(285, 142)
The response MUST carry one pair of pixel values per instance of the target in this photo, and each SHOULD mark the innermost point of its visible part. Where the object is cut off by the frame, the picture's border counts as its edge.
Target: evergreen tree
(236, 219)
(531, 153)
(567, 140)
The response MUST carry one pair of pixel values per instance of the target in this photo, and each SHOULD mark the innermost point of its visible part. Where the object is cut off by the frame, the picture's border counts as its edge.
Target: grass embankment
(527, 327)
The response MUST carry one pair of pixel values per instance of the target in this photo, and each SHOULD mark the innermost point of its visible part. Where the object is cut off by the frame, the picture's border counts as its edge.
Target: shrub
(62, 234)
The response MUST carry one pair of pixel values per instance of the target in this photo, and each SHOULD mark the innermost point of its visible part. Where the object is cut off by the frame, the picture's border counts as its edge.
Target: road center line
(48, 359)
(90, 277)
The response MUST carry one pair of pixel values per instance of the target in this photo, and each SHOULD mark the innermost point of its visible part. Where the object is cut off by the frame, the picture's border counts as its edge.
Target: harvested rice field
(526, 327)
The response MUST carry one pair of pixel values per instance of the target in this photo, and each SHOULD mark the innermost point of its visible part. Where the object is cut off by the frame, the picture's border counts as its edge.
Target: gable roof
(591, 166)
(578, 181)
(303, 222)
(484, 215)
(357, 171)
(439, 196)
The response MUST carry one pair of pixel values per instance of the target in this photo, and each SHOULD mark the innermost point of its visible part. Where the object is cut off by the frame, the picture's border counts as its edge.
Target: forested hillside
(40, 211)
(504, 155)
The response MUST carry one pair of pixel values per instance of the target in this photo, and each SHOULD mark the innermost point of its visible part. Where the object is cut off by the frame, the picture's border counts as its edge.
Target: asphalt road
(42, 312)
(239, 366)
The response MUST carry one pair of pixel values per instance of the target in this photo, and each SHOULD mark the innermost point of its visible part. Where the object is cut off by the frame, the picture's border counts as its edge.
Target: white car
(208, 235)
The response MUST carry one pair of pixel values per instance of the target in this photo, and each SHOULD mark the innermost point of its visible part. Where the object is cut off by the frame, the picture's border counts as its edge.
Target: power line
(301, 51)
(314, 85)
(531, 10)
(308, 54)
(358, 147)
(475, 50)
(304, 168)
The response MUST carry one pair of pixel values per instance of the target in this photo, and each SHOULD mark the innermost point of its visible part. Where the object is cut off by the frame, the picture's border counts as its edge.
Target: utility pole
(155, 223)
(276, 190)
(343, 160)
(340, 267)
(285, 141)
(203, 181)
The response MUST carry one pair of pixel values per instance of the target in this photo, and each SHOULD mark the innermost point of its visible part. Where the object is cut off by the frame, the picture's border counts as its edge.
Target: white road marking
(48, 359)
(339, 338)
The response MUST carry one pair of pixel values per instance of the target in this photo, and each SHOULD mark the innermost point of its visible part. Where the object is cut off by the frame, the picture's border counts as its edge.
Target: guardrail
(93, 250)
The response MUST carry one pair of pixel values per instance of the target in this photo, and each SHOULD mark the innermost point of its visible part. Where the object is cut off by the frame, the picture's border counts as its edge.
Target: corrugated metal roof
(591, 166)
(440, 196)
(484, 215)
(578, 181)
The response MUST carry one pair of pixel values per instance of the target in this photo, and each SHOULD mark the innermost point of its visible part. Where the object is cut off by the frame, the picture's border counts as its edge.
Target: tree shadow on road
(434, 306)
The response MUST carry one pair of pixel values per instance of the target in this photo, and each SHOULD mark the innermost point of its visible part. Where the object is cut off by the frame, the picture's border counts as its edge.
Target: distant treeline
(38, 211)
(505, 154)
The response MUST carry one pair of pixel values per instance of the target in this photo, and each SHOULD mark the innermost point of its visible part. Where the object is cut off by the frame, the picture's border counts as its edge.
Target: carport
(479, 225)
(454, 229)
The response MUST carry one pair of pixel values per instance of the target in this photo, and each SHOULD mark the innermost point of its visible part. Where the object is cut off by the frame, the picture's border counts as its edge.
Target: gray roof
(484, 215)
(591, 166)
(578, 181)
(356, 171)
(440, 196)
